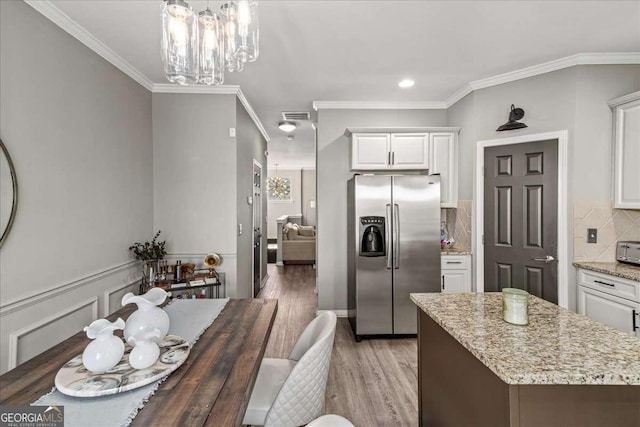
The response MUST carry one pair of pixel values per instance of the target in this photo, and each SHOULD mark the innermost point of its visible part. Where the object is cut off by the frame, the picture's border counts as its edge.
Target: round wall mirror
(8, 193)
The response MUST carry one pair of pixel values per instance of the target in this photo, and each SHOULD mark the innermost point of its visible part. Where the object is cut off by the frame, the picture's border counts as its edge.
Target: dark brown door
(520, 218)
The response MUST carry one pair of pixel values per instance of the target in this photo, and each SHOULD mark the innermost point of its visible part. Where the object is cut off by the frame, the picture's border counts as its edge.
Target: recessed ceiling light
(406, 83)
(287, 126)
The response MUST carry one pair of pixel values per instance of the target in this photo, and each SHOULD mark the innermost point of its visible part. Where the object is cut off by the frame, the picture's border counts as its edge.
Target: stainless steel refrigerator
(394, 250)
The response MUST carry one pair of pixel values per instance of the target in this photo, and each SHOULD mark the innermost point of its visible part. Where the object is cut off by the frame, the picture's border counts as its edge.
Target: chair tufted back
(301, 398)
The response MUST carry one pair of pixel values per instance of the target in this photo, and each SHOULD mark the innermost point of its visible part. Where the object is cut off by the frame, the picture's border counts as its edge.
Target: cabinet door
(627, 155)
(370, 150)
(409, 151)
(611, 310)
(442, 161)
(455, 281)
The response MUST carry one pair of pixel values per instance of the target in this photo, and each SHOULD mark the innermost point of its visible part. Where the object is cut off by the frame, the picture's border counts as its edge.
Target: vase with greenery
(150, 253)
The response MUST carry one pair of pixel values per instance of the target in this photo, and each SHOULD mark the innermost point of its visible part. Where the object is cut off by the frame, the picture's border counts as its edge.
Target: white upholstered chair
(330, 421)
(290, 392)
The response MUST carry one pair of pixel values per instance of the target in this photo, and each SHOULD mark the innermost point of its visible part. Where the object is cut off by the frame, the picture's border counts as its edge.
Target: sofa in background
(296, 243)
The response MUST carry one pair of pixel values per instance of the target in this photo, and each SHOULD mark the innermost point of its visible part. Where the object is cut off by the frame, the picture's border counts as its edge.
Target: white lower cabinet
(604, 306)
(456, 273)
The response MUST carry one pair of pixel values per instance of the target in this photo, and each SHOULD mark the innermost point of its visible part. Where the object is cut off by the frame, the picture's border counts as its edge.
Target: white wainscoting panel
(38, 322)
(39, 336)
(112, 298)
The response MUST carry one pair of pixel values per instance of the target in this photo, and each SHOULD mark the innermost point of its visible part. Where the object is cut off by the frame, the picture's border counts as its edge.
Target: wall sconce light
(514, 115)
(287, 126)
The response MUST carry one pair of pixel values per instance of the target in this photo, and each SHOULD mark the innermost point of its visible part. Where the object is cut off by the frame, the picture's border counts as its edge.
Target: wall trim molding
(214, 90)
(379, 105)
(477, 230)
(624, 99)
(245, 102)
(62, 20)
(339, 313)
(602, 58)
(18, 303)
(58, 17)
(15, 335)
(199, 254)
(107, 295)
(200, 90)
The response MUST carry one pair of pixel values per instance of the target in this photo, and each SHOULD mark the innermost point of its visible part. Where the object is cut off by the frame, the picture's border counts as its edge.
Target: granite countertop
(455, 251)
(626, 271)
(557, 347)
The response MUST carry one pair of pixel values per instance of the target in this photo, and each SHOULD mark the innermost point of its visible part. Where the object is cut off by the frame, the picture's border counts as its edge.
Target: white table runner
(189, 319)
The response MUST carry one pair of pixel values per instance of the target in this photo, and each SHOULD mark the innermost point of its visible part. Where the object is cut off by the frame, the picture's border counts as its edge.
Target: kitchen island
(562, 369)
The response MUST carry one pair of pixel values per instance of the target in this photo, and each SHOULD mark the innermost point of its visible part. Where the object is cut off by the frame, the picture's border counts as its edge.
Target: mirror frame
(14, 206)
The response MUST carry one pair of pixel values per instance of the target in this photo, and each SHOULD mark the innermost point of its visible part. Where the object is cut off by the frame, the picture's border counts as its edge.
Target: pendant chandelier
(198, 49)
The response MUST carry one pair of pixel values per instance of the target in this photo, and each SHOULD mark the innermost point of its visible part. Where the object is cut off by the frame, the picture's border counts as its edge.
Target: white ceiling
(358, 50)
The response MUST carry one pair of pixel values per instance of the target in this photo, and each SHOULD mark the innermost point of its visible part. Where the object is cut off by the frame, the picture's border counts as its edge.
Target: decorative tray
(74, 379)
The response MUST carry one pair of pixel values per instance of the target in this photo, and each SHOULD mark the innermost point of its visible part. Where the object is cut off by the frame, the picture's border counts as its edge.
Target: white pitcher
(106, 350)
(148, 317)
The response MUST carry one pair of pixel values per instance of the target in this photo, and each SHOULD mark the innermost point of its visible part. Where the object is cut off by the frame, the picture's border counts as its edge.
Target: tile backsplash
(459, 224)
(612, 224)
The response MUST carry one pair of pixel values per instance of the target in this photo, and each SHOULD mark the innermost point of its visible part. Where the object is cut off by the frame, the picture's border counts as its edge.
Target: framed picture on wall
(279, 189)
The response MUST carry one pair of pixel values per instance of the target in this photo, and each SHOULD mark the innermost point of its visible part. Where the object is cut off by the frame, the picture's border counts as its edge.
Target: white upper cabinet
(384, 151)
(423, 149)
(370, 151)
(443, 155)
(626, 140)
(409, 151)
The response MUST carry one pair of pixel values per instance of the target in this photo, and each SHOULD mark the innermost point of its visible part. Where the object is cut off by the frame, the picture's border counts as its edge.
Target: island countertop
(557, 347)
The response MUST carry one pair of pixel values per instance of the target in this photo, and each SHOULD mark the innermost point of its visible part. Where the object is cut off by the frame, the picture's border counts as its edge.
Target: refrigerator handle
(396, 236)
(387, 235)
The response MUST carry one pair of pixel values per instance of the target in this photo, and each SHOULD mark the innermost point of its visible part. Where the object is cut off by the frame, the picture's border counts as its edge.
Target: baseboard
(339, 313)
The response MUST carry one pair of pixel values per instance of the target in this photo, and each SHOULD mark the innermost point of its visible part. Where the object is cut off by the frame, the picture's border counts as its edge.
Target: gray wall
(250, 145)
(195, 168)
(308, 196)
(332, 173)
(79, 132)
(593, 155)
(574, 99)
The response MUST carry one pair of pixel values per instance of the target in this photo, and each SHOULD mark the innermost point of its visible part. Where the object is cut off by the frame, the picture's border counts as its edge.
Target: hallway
(372, 383)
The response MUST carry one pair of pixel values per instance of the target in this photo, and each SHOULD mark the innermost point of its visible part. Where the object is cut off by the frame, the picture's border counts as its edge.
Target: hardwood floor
(373, 382)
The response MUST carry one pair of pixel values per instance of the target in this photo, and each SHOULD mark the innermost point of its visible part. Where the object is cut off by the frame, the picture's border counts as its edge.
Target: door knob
(547, 259)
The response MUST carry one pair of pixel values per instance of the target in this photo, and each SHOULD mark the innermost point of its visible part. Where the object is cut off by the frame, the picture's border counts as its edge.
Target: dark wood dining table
(212, 387)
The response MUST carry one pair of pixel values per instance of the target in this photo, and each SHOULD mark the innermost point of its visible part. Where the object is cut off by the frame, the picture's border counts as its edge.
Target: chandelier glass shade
(199, 49)
(211, 67)
(179, 42)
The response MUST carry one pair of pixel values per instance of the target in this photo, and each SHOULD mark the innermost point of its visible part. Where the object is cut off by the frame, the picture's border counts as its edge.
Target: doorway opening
(480, 237)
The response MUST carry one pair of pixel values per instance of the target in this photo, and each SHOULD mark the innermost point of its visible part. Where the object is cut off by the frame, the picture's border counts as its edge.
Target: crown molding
(62, 20)
(458, 95)
(293, 167)
(253, 114)
(558, 64)
(604, 58)
(215, 90)
(55, 15)
(378, 105)
(205, 90)
(624, 99)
